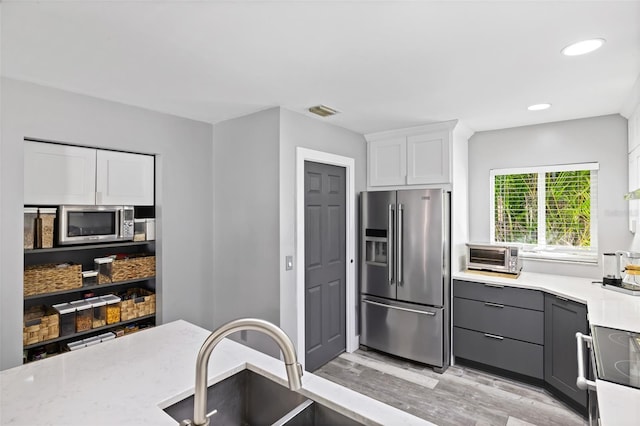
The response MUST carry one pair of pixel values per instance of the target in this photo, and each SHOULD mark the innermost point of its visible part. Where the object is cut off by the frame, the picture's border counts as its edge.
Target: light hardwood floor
(460, 396)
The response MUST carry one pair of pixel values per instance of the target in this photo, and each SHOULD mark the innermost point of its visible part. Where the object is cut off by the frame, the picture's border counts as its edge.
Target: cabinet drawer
(512, 355)
(506, 321)
(512, 296)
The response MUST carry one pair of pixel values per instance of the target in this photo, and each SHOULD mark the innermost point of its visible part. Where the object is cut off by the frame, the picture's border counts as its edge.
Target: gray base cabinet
(499, 326)
(562, 319)
(525, 333)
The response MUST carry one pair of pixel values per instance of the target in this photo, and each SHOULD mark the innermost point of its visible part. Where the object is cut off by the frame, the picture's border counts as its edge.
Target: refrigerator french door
(405, 273)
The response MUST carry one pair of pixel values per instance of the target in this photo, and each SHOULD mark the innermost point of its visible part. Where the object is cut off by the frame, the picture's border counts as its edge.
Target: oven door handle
(582, 382)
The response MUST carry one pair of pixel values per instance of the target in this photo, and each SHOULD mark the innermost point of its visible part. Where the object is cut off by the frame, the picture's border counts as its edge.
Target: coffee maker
(611, 269)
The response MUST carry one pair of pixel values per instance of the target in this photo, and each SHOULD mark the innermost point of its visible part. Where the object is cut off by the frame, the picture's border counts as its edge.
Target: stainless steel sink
(248, 398)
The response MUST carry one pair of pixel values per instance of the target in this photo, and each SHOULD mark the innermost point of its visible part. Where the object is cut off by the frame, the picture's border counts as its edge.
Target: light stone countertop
(619, 405)
(127, 381)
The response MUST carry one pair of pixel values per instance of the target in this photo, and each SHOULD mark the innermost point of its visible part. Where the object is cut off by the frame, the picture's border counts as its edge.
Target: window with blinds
(550, 211)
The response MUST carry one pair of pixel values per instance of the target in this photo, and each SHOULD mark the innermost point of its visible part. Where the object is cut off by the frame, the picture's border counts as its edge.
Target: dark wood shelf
(84, 333)
(88, 288)
(88, 247)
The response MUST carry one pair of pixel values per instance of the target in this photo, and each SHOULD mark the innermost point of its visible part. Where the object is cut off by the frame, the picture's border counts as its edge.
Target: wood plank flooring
(460, 396)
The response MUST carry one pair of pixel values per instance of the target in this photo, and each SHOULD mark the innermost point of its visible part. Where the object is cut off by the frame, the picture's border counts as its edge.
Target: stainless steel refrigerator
(404, 274)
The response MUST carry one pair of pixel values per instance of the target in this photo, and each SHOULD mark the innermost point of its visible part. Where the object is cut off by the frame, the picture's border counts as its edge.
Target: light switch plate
(288, 262)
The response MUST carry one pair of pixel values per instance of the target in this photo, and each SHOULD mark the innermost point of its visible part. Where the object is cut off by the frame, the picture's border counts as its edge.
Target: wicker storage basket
(130, 269)
(143, 304)
(40, 323)
(51, 277)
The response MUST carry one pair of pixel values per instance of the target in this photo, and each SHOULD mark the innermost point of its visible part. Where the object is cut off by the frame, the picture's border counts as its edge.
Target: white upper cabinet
(414, 156)
(59, 174)
(634, 129)
(428, 158)
(387, 162)
(124, 179)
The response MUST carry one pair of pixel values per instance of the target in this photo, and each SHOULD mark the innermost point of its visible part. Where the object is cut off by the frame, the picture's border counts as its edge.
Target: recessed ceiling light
(538, 107)
(582, 47)
(322, 110)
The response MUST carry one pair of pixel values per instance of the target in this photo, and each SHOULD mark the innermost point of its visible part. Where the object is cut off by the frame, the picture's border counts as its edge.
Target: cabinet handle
(495, 305)
(493, 336)
(494, 285)
(581, 381)
(399, 237)
(415, 311)
(390, 243)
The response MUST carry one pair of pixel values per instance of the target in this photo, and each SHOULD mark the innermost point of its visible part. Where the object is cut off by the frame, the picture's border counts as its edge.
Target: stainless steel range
(617, 354)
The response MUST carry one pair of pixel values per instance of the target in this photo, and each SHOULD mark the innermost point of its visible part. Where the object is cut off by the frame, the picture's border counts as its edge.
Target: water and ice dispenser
(376, 245)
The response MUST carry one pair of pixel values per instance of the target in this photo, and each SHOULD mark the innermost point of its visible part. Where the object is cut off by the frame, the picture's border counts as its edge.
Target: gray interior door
(325, 263)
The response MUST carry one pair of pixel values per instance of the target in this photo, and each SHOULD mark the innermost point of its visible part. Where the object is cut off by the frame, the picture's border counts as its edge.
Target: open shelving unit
(84, 255)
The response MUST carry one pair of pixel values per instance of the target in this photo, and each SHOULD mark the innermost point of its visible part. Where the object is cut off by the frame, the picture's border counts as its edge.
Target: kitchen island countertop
(619, 405)
(129, 380)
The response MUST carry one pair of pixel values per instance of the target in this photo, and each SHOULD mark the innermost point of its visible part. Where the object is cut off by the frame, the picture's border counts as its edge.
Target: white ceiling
(383, 64)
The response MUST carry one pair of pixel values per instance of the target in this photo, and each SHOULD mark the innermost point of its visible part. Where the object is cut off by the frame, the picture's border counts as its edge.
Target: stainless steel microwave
(494, 257)
(94, 224)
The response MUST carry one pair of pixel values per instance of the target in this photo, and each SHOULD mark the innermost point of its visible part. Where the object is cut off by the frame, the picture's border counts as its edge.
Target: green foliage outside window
(567, 209)
(516, 208)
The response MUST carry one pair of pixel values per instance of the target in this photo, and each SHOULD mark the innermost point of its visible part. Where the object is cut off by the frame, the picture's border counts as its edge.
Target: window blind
(550, 208)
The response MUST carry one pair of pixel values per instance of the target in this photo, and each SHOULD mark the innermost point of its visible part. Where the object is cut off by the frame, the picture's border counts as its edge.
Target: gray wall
(183, 189)
(297, 130)
(246, 221)
(254, 183)
(598, 139)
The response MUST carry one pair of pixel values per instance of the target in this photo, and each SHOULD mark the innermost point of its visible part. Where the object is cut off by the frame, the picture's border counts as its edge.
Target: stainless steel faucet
(293, 367)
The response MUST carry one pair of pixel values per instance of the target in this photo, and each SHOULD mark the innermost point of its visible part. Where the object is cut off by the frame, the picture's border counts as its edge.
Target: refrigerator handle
(400, 231)
(390, 242)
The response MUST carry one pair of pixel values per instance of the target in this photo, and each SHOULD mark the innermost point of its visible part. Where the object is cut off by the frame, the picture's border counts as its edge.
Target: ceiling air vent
(322, 111)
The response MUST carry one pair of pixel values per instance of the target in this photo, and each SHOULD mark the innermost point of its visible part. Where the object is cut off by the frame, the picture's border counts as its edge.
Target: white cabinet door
(387, 162)
(428, 158)
(634, 183)
(58, 174)
(634, 129)
(124, 179)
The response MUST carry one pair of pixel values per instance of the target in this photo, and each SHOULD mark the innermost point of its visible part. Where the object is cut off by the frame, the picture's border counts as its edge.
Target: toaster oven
(494, 257)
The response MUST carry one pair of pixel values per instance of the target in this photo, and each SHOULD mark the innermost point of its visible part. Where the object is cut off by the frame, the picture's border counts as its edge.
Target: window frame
(542, 251)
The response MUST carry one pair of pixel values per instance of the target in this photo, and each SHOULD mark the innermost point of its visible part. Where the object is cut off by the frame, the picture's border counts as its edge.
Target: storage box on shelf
(30, 218)
(40, 279)
(133, 267)
(67, 314)
(40, 324)
(46, 220)
(113, 308)
(136, 303)
(99, 311)
(84, 315)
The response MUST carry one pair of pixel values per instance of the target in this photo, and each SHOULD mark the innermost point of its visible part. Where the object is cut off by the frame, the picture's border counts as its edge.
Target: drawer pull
(494, 285)
(493, 336)
(415, 311)
(495, 305)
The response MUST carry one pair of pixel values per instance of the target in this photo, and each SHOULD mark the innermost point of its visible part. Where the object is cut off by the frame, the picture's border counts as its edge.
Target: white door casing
(302, 155)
